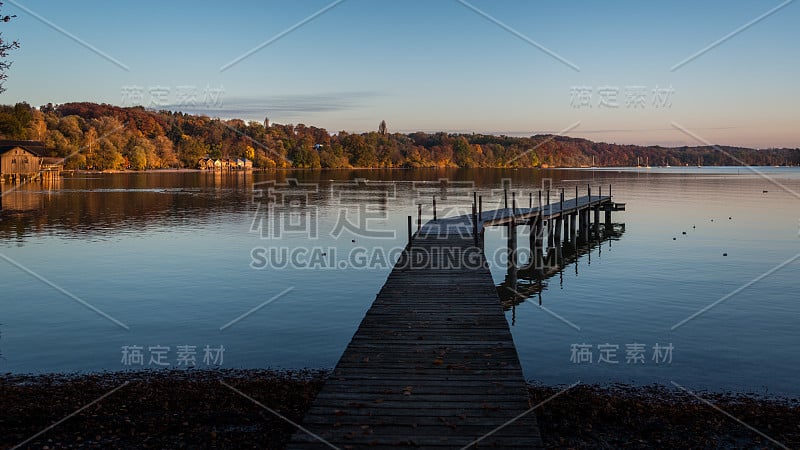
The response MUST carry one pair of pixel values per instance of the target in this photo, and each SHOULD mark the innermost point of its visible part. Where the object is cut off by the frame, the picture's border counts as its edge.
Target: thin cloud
(280, 105)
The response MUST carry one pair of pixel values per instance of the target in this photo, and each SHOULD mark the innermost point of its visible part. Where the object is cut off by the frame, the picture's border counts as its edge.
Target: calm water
(170, 257)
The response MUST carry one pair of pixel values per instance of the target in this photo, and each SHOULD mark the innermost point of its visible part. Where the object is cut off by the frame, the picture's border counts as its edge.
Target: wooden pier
(433, 363)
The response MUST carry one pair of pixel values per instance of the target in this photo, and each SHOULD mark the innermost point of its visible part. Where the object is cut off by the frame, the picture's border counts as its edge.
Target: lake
(276, 269)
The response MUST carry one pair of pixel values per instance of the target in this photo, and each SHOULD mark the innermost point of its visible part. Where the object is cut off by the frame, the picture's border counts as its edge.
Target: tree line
(107, 137)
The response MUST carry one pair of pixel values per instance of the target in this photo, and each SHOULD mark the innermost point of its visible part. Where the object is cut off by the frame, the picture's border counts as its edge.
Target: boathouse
(22, 159)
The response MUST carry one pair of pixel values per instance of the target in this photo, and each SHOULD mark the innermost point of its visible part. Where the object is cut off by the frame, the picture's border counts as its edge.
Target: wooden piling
(434, 208)
(513, 202)
(596, 217)
(548, 199)
(559, 227)
(410, 235)
(512, 244)
(568, 231)
(475, 223)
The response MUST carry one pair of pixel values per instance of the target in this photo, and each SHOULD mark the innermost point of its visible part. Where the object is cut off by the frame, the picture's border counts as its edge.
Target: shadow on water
(529, 281)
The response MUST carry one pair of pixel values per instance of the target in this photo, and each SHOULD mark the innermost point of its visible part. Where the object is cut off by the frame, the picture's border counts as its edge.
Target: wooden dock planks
(433, 363)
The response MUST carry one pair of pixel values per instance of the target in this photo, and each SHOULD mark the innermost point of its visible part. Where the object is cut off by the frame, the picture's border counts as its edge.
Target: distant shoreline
(294, 169)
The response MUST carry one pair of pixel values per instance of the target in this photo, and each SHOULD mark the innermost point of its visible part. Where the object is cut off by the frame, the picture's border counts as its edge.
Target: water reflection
(530, 280)
(106, 204)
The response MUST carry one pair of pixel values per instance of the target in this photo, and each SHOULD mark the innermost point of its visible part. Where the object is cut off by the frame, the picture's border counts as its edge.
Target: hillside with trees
(107, 137)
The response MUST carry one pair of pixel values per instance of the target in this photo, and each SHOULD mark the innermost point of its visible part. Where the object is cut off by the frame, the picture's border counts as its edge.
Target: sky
(649, 73)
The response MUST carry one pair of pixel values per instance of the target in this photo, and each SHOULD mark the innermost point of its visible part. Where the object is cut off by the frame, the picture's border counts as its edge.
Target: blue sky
(602, 70)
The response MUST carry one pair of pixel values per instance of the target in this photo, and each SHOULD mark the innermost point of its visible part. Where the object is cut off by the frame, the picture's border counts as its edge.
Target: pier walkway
(433, 363)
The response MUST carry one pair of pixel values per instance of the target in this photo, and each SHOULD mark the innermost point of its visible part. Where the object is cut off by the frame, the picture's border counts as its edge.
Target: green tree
(462, 152)
(108, 156)
(190, 150)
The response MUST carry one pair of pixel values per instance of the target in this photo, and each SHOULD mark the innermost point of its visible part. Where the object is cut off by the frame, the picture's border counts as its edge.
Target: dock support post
(530, 200)
(585, 224)
(409, 231)
(568, 231)
(480, 206)
(532, 235)
(512, 246)
(538, 251)
(419, 217)
(512, 257)
(597, 218)
(548, 206)
(513, 203)
(475, 223)
(573, 236)
(559, 227)
(434, 208)
(505, 197)
(608, 217)
(561, 202)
